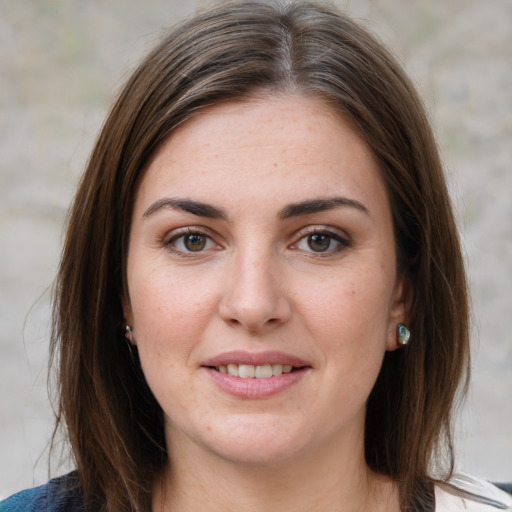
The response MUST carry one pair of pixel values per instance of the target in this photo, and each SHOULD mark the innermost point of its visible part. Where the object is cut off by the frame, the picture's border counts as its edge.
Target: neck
(325, 481)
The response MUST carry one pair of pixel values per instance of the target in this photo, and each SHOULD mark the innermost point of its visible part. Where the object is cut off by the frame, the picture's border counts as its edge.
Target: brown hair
(114, 424)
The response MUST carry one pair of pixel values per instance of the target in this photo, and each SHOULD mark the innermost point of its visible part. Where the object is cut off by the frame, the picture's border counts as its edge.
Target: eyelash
(170, 242)
(341, 241)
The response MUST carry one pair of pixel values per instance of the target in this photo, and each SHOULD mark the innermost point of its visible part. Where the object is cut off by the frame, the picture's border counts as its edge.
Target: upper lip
(255, 358)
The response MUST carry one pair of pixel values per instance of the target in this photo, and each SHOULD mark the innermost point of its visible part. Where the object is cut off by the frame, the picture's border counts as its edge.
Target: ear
(399, 310)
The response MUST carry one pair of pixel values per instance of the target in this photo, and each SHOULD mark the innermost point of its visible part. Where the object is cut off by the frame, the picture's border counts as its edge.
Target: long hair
(237, 50)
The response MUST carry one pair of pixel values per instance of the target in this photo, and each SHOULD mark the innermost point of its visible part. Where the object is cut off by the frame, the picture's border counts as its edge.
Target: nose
(255, 296)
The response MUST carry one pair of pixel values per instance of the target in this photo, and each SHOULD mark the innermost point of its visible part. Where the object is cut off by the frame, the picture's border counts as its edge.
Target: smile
(248, 375)
(250, 371)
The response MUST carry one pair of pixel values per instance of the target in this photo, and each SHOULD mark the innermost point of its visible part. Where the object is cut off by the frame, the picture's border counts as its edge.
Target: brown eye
(322, 241)
(319, 242)
(194, 242)
(190, 242)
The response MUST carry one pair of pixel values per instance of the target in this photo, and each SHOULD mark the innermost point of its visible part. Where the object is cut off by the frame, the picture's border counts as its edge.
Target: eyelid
(177, 233)
(344, 240)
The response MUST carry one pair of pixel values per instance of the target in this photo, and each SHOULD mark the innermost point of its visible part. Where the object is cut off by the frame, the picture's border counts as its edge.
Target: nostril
(254, 306)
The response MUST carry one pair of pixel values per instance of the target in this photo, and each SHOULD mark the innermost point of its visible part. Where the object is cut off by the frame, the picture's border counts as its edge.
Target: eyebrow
(187, 205)
(307, 207)
(320, 205)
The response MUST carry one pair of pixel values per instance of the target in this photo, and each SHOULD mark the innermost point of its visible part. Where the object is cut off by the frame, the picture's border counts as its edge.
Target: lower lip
(256, 388)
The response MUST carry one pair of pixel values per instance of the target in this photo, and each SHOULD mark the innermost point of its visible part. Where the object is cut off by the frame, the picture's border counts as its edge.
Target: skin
(258, 282)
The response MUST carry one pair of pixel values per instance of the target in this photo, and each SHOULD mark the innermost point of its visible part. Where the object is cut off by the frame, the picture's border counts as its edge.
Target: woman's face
(262, 241)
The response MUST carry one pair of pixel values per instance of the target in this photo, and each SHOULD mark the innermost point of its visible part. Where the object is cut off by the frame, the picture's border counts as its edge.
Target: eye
(321, 241)
(190, 242)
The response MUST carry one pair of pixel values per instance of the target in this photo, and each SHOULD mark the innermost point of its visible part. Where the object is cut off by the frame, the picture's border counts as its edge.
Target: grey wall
(62, 61)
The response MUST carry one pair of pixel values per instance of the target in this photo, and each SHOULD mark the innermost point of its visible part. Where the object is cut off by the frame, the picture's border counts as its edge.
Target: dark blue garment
(58, 495)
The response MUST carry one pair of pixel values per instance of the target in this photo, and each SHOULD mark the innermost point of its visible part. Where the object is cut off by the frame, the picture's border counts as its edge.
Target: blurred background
(61, 64)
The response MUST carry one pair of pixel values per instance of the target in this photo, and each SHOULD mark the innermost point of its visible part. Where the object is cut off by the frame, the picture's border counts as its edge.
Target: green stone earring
(403, 334)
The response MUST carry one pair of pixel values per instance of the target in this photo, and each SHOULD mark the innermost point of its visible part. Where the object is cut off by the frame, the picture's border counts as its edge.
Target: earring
(403, 334)
(129, 333)
(128, 330)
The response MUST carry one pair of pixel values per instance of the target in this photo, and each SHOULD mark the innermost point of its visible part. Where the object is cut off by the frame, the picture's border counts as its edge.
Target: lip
(254, 388)
(255, 358)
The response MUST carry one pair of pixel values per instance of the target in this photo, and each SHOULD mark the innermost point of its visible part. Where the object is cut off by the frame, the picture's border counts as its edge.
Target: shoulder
(58, 495)
(469, 494)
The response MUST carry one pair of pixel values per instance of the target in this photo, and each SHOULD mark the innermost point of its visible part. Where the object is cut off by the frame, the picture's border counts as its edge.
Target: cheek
(349, 322)
(170, 310)
(352, 302)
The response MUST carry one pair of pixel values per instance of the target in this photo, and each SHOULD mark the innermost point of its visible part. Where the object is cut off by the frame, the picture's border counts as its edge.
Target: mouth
(262, 365)
(252, 377)
(251, 371)
(249, 375)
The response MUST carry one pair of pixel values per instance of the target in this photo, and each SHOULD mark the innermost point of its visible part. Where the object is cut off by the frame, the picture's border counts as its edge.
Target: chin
(265, 442)
(255, 454)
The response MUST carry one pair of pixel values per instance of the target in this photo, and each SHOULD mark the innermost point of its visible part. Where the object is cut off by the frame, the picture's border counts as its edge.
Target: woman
(261, 300)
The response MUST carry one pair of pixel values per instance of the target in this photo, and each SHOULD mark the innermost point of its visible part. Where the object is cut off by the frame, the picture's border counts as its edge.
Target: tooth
(233, 369)
(277, 369)
(263, 371)
(245, 371)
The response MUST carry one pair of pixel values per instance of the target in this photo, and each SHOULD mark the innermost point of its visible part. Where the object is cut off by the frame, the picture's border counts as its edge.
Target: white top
(465, 493)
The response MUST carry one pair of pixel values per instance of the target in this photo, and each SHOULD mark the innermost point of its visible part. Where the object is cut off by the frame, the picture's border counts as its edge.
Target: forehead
(287, 147)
